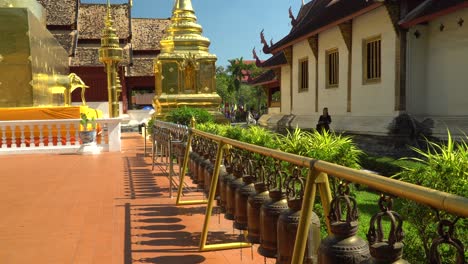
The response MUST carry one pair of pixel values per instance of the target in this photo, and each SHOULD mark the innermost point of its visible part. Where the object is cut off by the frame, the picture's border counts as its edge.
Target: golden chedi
(185, 70)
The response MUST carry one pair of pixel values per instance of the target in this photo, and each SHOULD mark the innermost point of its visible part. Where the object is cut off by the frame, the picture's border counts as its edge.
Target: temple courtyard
(106, 208)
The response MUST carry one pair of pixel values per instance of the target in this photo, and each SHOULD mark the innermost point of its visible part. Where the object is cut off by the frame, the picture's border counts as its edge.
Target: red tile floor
(107, 208)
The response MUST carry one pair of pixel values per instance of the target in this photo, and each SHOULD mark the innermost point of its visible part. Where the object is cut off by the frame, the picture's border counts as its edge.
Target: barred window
(332, 68)
(372, 60)
(303, 75)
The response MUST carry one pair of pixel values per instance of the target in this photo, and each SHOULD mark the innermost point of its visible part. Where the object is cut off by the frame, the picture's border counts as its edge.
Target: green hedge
(184, 114)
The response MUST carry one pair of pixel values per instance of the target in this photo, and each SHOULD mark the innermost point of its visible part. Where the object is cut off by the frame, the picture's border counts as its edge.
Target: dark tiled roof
(91, 20)
(303, 13)
(147, 32)
(274, 61)
(60, 13)
(67, 39)
(320, 13)
(141, 67)
(89, 56)
(428, 8)
(265, 77)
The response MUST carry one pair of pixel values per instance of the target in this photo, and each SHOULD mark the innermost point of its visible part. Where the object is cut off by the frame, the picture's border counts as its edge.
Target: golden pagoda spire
(183, 5)
(108, 20)
(111, 54)
(185, 69)
(184, 34)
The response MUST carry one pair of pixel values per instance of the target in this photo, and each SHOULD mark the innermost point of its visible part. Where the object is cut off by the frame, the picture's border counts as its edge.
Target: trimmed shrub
(184, 114)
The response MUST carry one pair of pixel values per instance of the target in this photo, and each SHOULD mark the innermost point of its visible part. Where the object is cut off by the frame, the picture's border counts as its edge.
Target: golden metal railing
(317, 179)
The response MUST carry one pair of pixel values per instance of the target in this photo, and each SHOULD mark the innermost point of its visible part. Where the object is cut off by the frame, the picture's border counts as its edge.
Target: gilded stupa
(185, 69)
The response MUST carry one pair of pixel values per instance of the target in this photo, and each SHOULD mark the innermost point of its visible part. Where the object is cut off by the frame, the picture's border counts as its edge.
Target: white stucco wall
(285, 90)
(374, 99)
(416, 95)
(447, 66)
(304, 101)
(333, 98)
(437, 78)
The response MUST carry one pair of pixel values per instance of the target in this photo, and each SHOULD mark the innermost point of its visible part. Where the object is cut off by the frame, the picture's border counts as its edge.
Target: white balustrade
(30, 136)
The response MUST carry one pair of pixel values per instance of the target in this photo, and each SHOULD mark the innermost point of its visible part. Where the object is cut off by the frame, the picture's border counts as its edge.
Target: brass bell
(222, 174)
(269, 213)
(288, 223)
(446, 229)
(242, 194)
(196, 160)
(388, 251)
(210, 169)
(254, 203)
(343, 246)
(232, 187)
(192, 157)
(201, 170)
(223, 183)
(208, 174)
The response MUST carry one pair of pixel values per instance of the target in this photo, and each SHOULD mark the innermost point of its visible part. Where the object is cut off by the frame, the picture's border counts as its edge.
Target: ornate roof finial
(258, 63)
(266, 49)
(293, 19)
(108, 20)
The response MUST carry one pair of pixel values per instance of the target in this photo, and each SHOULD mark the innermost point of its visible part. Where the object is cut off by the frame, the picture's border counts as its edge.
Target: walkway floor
(108, 208)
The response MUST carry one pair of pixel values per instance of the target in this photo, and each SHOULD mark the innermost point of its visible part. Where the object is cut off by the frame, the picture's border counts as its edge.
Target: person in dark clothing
(324, 121)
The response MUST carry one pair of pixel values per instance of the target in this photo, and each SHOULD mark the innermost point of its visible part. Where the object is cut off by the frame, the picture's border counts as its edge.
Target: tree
(234, 90)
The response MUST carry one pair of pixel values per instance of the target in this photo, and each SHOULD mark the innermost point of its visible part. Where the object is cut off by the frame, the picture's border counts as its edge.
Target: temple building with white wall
(379, 66)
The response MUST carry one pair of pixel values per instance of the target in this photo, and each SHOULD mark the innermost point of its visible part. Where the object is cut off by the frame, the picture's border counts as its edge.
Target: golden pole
(184, 168)
(325, 197)
(214, 182)
(209, 209)
(112, 89)
(306, 216)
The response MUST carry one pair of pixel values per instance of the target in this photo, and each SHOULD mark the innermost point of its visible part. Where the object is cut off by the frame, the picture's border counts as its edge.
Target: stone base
(165, 103)
(89, 148)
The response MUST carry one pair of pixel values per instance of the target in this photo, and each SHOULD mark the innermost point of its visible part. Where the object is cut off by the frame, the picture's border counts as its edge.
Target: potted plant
(87, 129)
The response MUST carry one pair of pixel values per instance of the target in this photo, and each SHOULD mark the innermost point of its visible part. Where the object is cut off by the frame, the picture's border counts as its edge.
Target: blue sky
(233, 26)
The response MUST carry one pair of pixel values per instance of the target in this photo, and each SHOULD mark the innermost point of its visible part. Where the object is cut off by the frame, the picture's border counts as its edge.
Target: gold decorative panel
(32, 61)
(170, 78)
